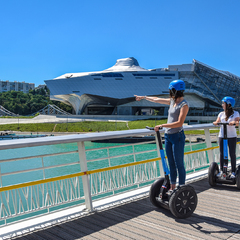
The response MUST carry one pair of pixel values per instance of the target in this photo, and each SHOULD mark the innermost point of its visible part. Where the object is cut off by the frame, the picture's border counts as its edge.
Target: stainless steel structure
(112, 91)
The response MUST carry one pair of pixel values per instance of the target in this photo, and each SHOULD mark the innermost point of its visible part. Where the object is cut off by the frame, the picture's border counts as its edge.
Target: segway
(182, 201)
(213, 170)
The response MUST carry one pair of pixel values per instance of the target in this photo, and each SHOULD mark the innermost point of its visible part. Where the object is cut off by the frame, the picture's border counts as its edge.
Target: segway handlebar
(225, 128)
(151, 128)
(225, 124)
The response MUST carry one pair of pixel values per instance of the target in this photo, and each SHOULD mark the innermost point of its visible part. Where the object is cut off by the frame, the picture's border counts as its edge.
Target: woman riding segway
(181, 201)
(232, 118)
(174, 134)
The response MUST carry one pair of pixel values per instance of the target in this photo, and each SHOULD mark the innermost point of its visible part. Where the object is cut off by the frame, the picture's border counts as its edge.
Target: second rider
(232, 117)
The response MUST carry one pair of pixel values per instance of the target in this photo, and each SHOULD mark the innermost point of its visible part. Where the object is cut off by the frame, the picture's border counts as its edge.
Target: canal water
(21, 165)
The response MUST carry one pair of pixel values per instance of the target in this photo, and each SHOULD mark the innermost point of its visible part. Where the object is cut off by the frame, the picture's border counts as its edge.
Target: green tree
(29, 103)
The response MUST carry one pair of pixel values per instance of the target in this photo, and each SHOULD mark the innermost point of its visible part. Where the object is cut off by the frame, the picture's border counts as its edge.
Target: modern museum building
(111, 91)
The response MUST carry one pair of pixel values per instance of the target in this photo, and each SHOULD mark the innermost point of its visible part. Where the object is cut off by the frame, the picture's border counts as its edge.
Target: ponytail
(229, 111)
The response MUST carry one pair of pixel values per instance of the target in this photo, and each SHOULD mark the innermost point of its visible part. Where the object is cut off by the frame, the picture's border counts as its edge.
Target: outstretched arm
(154, 99)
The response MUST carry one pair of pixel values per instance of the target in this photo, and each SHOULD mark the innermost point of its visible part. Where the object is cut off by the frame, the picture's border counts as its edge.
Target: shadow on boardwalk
(216, 217)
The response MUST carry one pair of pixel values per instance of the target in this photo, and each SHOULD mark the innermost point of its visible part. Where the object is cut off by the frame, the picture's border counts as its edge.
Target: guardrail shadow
(139, 219)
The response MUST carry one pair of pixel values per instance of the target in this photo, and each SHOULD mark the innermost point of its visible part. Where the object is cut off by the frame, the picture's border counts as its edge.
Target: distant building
(6, 86)
(40, 86)
(111, 91)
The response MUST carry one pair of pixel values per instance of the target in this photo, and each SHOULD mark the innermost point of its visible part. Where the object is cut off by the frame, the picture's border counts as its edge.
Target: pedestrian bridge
(95, 197)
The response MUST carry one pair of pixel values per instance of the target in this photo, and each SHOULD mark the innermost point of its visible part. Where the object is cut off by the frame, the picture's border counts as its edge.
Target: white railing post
(158, 152)
(209, 144)
(190, 141)
(85, 178)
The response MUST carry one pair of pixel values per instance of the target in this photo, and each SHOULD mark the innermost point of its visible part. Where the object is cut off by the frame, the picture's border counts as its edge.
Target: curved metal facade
(108, 91)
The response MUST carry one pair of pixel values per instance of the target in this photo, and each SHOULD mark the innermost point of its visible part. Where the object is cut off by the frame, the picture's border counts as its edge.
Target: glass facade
(153, 74)
(212, 83)
(108, 75)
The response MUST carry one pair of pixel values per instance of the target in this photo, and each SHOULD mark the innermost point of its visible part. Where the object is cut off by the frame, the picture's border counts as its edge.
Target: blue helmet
(178, 85)
(229, 100)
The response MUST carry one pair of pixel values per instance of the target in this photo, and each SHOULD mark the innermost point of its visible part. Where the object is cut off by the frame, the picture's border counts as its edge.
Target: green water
(21, 165)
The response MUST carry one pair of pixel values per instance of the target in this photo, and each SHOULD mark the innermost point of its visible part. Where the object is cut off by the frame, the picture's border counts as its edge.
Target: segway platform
(182, 201)
(213, 170)
(225, 179)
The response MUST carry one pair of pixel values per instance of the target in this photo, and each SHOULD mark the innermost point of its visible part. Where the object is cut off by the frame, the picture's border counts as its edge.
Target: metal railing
(78, 173)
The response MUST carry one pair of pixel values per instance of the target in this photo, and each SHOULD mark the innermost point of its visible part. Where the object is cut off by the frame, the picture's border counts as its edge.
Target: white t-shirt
(231, 130)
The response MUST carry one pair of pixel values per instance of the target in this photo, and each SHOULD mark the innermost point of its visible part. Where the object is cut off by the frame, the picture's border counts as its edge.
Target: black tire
(183, 202)
(155, 191)
(212, 173)
(238, 177)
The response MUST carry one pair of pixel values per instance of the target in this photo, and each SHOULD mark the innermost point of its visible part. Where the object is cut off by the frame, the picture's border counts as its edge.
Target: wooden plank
(216, 217)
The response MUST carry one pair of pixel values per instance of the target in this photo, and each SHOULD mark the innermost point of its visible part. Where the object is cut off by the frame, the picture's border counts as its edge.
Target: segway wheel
(238, 177)
(155, 191)
(212, 173)
(183, 202)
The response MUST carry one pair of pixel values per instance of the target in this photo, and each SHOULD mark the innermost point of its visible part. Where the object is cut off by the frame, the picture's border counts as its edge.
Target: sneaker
(169, 192)
(233, 175)
(219, 175)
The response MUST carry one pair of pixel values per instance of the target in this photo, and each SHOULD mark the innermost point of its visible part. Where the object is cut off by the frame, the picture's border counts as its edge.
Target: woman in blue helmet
(232, 117)
(174, 134)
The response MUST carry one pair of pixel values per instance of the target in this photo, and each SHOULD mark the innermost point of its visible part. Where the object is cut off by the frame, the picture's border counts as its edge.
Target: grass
(86, 126)
(18, 117)
(90, 126)
(143, 123)
(31, 127)
(200, 132)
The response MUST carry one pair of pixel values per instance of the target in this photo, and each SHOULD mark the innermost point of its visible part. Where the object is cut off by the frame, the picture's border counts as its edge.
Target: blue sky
(43, 39)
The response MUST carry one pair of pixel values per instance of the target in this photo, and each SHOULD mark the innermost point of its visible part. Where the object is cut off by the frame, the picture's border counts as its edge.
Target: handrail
(87, 137)
(37, 156)
(94, 171)
(74, 175)
(89, 173)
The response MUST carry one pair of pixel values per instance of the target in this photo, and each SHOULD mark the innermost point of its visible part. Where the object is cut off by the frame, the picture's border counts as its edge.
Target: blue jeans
(232, 142)
(174, 147)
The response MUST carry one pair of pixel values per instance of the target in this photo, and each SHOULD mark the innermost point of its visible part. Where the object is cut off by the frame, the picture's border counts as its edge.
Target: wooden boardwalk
(217, 217)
